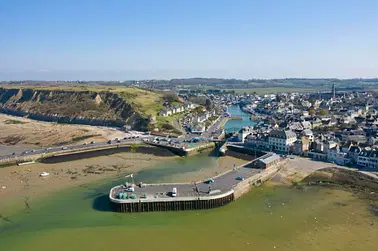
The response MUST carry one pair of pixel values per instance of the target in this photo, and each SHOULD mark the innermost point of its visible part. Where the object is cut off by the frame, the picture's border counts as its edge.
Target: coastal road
(58, 149)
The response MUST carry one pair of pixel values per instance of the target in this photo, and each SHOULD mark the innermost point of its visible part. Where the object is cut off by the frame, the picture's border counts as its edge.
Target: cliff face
(81, 107)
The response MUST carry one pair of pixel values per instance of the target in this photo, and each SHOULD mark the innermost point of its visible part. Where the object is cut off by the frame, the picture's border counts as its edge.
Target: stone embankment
(41, 156)
(344, 176)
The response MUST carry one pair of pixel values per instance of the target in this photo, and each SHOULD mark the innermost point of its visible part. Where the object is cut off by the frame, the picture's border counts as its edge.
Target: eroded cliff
(66, 106)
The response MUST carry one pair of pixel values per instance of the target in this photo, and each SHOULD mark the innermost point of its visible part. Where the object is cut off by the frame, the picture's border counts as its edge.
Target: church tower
(333, 91)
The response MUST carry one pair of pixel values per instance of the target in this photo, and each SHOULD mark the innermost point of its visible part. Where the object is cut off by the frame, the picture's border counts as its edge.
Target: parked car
(174, 192)
(209, 181)
(130, 189)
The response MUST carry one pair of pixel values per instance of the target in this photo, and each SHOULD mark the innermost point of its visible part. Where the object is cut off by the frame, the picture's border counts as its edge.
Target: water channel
(236, 125)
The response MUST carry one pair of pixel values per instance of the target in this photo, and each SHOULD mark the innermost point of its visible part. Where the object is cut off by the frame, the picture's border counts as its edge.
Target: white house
(280, 140)
(243, 133)
(336, 155)
(368, 158)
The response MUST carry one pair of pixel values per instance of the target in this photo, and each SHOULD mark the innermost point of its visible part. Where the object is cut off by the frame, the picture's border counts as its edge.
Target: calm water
(268, 218)
(236, 125)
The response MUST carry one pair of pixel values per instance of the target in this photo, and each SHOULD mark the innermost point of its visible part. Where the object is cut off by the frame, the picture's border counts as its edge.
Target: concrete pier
(220, 191)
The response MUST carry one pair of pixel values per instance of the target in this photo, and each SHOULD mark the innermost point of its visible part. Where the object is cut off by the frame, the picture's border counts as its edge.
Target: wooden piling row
(146, 206)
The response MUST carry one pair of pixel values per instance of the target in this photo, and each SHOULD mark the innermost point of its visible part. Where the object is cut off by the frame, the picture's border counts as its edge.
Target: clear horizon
(139, 40)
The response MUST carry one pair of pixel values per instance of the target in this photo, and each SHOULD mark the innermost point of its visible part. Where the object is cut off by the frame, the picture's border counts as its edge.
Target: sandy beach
(23, 133)
(20, 182)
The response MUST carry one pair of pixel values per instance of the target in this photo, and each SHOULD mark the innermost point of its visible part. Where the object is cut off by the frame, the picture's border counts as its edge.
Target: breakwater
(190, 203)
(215, 192)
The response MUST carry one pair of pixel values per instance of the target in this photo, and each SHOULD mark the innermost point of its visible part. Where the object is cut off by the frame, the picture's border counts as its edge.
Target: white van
(174, 192)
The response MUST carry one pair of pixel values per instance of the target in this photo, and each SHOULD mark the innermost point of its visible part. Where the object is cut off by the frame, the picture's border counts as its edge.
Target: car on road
(174, 192)
(92, 142)
(109, 141)
(209, 181)
(239, 178)
(64, 148)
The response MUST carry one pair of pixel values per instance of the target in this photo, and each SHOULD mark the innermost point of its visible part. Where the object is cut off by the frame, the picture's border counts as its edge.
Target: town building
(368, 158)
(267, 161)
(281, 140)
(337, 156)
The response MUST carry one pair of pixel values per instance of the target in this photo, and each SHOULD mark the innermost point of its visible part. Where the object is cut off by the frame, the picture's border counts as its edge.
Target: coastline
(23, 184)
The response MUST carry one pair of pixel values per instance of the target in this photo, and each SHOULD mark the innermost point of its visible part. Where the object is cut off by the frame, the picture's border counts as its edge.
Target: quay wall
(173, 204)
(176, 150)
(224, 149)
(199, 149)
(39, 156)
(246, 185)
(245, 150)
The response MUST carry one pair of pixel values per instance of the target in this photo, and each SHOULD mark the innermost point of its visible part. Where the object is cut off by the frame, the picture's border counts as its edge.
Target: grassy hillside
(130, 104)
(144, 101)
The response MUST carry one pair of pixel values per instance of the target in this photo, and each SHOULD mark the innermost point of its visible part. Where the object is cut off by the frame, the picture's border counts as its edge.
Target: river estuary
(268, 218)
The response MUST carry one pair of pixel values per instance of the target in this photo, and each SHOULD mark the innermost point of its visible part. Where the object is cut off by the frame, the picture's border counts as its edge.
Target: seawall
(173, 204)
(81, 153)
(246, 185)
(181, 151)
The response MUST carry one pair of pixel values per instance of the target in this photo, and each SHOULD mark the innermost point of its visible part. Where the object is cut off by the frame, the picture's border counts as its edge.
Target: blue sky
(140, 39)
